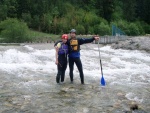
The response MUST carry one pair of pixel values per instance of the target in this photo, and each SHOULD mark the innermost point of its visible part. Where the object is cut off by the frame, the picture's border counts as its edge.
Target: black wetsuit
(62, 65)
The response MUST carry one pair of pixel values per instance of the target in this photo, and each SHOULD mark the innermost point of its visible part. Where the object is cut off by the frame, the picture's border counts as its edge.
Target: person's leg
(59, 73)
(58, 76)
(79, 66)
(71, 64)
(63, 71)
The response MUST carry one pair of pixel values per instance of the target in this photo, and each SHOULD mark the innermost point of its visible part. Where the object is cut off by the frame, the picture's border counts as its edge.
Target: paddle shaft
(100, 59)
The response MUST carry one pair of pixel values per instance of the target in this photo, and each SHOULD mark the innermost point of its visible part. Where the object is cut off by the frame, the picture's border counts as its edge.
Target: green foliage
(80, 29)
(45, 23)
(129, 9)
(14, 31)
(63, 25)
(57, 16)
(123, 25)
(90, 30)
(91, 19)
(36, 22)
(146, 27)
(102, 29)
(42, 37)
(118, 11)
(3, 12)
(134, 30)
(27, 18)
(140, 26)
(131, 29)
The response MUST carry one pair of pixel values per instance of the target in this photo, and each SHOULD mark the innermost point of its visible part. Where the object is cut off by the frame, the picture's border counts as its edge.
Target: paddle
(102, 78)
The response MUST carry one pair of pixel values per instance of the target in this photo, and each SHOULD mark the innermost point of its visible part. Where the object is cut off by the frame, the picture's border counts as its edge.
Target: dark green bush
(131, 29)
(134, 30)
(102, 29)
(80, 29)
(14, 31)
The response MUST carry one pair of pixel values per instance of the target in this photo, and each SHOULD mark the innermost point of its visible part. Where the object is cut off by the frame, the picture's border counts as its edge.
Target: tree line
(87, 16)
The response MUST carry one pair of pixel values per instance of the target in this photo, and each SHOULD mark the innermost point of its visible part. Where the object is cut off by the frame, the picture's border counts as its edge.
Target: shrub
(102, 29)
(146, 27)
(123, 25)
(134, 30)
(80, 29)
(90, 30)
(14, 31)
(140, 26)
(27, 18)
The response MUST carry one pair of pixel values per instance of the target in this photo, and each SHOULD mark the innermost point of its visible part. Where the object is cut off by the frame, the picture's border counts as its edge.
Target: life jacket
(74, 45)
(63, 49)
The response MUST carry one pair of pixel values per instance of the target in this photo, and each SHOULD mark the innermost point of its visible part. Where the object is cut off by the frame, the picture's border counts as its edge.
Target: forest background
(26, 20)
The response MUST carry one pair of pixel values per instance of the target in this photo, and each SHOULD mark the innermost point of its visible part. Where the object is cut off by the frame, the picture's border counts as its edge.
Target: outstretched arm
(88, 40)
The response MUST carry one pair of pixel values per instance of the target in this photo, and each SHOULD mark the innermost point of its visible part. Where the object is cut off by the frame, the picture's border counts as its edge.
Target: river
(27, 81)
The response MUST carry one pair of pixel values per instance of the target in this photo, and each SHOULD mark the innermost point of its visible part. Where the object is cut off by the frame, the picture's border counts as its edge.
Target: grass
(41, 37)
(44, 37)
(36, 36)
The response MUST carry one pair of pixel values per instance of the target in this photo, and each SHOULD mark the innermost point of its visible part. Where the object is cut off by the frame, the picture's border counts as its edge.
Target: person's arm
(55, 45)
(57, 50)
(88, 40)
(56, 55)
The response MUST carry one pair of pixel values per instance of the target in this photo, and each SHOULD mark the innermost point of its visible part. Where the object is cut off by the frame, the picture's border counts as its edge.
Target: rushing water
(28, 69)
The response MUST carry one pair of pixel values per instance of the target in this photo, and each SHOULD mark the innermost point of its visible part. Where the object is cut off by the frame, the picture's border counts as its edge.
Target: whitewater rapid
(124, 69)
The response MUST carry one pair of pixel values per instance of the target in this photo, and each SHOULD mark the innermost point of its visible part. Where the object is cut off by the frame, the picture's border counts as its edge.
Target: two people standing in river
(74, 53)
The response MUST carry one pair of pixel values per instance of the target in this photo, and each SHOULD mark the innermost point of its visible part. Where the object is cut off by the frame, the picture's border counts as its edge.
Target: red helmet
(64, 36)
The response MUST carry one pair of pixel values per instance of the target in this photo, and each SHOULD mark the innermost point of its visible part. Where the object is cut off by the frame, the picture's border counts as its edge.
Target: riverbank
(134, 43)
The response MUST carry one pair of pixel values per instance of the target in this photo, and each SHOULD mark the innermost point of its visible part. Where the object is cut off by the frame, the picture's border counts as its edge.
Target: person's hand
(56, 48)
(56, 62)
(96, 37)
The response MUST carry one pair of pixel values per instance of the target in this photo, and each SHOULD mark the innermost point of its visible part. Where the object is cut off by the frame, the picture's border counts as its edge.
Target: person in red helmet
(61, 58)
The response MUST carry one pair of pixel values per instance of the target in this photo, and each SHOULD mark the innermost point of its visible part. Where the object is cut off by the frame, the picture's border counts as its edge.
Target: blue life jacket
(63, 49)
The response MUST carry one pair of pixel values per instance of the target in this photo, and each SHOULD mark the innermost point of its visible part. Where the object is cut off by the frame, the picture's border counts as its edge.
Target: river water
(27, 81)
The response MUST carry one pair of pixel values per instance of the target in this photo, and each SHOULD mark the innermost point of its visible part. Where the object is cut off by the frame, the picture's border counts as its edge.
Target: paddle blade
(102, 81)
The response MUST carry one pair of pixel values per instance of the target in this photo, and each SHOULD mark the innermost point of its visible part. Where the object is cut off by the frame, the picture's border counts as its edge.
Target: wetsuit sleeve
(85, 40)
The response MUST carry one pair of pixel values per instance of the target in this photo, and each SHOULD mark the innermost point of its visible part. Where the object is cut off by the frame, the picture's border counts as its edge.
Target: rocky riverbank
(134, 43)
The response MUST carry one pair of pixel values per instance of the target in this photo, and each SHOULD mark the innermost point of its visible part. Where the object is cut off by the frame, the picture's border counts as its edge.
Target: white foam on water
(29, 48)
(124, 67)
(120, 65)
(13, 61)
(133, 97)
